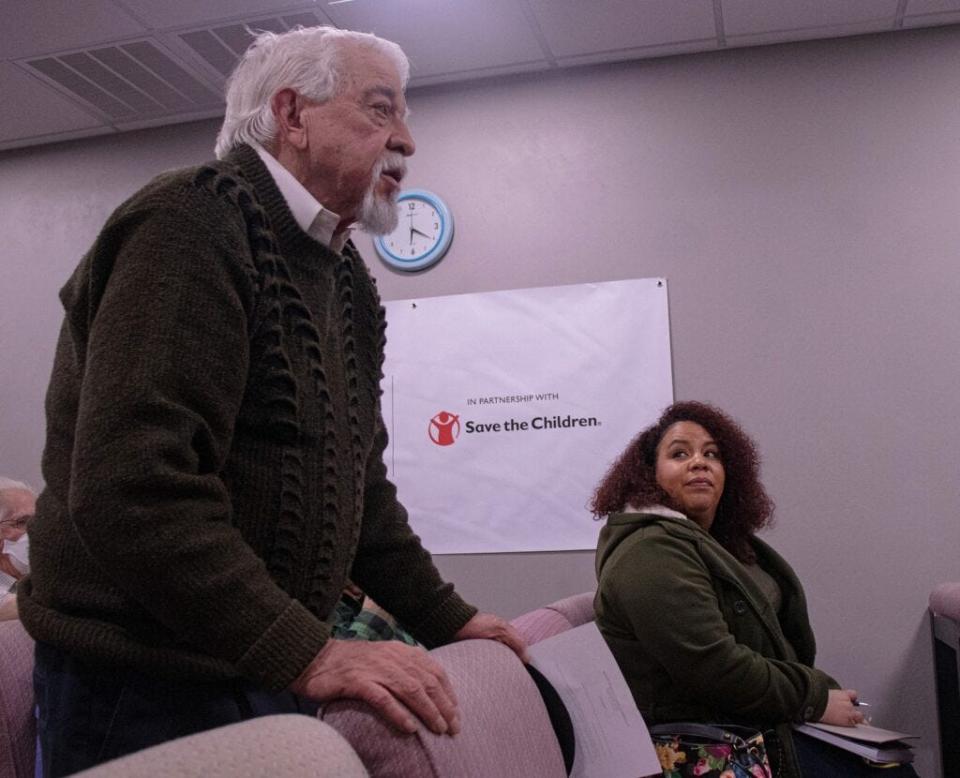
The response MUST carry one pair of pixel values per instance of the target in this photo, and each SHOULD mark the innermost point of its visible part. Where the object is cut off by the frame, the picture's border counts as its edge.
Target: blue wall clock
(423, 234)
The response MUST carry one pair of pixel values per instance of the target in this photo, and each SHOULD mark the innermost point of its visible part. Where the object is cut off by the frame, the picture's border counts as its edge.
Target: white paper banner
(506, 408)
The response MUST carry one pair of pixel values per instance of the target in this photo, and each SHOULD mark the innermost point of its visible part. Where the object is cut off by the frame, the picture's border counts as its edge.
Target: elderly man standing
(17, 506)
(214, 438)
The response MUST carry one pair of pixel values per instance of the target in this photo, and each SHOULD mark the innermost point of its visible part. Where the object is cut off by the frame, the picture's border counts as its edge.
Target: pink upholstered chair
(290, 745)
(945, 619)
(545, 622)
(17, 723)
(505, 730)
(286, 746)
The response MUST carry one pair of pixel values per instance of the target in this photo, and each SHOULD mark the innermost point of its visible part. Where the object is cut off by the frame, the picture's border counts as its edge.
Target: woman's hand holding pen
(843, 709)
(867, 718)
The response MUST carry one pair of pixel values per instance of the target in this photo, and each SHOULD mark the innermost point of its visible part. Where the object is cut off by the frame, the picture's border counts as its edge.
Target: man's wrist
(445, 621)
(285, 649)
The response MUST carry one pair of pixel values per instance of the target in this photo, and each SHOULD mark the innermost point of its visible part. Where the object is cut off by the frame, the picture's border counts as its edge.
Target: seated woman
(708, 623)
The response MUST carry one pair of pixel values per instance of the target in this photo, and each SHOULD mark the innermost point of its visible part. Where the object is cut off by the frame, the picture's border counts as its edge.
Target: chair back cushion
(505, 729)
(577, 608)
(557, 617)
(945, 600)
(17, 723)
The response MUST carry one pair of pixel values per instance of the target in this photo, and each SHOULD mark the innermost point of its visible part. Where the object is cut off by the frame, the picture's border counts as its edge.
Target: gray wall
(802, 202)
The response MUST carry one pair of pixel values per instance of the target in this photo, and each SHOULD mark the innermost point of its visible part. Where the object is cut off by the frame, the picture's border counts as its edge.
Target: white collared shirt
(315, 220)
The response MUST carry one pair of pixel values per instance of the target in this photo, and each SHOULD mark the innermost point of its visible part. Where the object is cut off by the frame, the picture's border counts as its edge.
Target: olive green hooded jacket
(696, 638)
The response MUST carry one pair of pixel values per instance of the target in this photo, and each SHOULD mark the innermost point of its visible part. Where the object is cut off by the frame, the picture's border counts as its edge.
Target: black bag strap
(559, 716)
(720, 734)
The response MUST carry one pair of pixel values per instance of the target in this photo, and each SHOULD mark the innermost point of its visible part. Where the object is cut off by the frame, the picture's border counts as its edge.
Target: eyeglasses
(18, 523)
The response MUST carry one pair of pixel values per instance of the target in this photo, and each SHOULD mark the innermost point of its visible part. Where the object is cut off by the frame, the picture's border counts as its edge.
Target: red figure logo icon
(444, 428)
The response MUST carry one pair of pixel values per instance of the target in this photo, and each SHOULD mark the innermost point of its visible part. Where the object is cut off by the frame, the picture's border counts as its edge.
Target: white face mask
(18, 551)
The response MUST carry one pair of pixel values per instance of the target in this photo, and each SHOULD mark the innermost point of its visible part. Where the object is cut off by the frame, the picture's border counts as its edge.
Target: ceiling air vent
(127, 82)
(222, 46)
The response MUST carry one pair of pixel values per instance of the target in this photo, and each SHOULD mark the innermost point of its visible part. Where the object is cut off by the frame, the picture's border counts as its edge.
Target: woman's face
(690, 471)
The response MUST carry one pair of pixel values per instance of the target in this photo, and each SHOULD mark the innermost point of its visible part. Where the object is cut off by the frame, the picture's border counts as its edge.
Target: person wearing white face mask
(17, 505)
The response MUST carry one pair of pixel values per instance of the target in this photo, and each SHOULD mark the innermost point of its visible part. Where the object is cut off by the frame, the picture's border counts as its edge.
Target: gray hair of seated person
(10, 485)
(308, 60)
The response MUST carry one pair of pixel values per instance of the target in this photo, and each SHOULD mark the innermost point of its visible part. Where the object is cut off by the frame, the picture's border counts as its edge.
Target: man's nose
(402, 140)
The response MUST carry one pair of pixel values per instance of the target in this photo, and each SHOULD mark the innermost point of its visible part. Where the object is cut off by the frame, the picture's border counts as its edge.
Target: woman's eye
(679, 454)
(712, 454)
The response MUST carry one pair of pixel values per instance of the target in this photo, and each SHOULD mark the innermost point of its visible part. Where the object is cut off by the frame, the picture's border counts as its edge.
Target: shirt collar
(315, 220)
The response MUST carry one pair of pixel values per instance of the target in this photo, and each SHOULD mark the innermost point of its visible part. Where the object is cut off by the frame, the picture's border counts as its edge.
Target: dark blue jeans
(90, 713)
(821, 760)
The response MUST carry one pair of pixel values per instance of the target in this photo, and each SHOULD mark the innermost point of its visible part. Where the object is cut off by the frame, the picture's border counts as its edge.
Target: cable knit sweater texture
(214, 444)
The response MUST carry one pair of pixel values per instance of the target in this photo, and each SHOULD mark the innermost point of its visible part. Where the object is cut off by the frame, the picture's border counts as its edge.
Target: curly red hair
(744, 506)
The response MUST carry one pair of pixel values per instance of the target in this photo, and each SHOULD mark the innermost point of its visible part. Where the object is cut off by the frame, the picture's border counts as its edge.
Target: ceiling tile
(750, 17)
(79, 67)
(647, 52)
(806, 34)
(572, 27)
(440, 36)
(180, 118)
(39, 109)
(932, 20)
(457, 77)
(931, 6)
(29, 27)
(183, 13)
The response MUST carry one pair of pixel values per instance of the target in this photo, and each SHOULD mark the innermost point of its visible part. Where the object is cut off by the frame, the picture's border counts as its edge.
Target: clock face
(423, 234)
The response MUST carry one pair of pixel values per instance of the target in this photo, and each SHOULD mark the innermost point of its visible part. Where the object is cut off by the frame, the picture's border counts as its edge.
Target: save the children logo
(444, 428)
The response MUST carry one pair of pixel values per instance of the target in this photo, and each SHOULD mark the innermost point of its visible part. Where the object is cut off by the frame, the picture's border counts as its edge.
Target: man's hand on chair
(486, 626)
(402, 683)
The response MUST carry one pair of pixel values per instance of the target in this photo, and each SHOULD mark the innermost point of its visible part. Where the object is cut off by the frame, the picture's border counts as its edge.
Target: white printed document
(611, 736)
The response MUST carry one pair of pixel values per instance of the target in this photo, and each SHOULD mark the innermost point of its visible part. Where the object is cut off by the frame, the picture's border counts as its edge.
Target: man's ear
(287, 106)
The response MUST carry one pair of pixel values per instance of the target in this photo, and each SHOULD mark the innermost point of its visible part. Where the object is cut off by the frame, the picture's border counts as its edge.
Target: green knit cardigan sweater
(214, 446)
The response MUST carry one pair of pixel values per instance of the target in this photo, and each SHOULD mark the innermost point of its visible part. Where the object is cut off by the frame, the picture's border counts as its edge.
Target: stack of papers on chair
(873, 743)
(611, 737)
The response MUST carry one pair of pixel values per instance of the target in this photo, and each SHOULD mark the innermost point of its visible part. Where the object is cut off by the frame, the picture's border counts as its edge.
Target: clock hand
(414, 229)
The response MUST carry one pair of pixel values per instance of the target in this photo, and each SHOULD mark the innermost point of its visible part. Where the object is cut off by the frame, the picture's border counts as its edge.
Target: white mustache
(392, 161)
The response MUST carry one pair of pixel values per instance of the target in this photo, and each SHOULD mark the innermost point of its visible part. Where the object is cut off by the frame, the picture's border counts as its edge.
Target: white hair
(9, 483)
(306, 59)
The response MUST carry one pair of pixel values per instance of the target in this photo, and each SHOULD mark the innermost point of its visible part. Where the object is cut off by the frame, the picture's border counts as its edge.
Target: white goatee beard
(378, 215)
